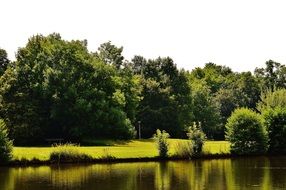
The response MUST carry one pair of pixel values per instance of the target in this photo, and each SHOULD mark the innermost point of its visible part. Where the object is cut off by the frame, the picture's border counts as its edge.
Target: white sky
(241, 34)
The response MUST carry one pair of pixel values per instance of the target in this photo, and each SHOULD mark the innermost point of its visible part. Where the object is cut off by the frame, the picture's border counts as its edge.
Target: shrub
(184, 150)
(197, 136)
(107, 155)
(162, 144)
(6, 145)
(68, 153)
(246, 133)
(275, 123)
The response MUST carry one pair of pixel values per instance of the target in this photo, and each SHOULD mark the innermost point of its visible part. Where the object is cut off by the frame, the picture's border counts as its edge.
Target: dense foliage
(275, 122)
(272, 99)
(58, 89)
(161, 139)
(68, 153)
(197, 137)
(4, 61)
(246, 133)
(217, 92)
(6, 145)
(166, 97)
(272, 76)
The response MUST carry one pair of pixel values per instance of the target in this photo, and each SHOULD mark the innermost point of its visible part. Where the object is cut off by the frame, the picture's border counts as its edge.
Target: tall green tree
(225, 101)
(4, 61)
(227, 91)
(126, 81)
(205, 110)
(166, 98)
(6, 145)
(212, 100)
(247, 90)
(58, 89)
(272, 76)
(110, 54)
(215, 76)
(138, 63)
(130, 90)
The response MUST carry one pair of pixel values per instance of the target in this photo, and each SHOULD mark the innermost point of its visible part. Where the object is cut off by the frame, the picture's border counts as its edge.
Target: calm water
(251, 173)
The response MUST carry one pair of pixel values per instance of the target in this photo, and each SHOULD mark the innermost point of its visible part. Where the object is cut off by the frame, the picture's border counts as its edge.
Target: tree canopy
(4, 61)
(59, 89)
(166, 96)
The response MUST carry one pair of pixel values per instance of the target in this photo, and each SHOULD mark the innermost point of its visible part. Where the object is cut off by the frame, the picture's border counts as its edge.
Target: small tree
(162, 143)
(275, 123)
(5, 144)
(245, 131)
(197, 136)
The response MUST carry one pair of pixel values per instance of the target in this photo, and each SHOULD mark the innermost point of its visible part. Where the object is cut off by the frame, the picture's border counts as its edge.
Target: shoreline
(36, 162)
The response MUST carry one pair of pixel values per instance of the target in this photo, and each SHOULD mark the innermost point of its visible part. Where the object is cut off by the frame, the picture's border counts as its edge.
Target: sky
(240, 34)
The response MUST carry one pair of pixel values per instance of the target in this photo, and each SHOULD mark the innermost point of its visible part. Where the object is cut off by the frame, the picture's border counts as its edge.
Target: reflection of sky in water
(252, 173)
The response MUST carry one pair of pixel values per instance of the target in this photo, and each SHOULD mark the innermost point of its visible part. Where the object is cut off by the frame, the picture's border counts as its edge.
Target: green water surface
(240, 173)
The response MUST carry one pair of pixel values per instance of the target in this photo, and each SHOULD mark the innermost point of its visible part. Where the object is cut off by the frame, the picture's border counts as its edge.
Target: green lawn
(130, 149)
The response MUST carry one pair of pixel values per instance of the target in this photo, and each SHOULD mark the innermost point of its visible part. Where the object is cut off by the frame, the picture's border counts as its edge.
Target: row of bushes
(247, 131)
(183, 150)
(253, 133)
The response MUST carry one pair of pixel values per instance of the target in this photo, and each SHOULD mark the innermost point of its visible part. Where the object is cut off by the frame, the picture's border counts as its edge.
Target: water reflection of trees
(6, 178)
(209, 174)
(248, 173)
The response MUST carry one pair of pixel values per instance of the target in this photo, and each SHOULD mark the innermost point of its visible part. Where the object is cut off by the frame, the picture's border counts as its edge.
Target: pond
(239, 173)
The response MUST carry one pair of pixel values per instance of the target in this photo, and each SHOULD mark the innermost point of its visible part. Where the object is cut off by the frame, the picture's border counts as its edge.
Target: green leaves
(246, 132)
(6, 145)
(59, 89)
(161, 139)
(4, 61)
(110, 54)
(166, 96)
(272, 76)
(217, 92)
(197, 136)
(272, 99)
(275, 122)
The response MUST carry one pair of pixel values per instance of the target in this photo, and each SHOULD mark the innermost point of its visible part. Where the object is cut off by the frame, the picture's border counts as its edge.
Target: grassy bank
(135, 149)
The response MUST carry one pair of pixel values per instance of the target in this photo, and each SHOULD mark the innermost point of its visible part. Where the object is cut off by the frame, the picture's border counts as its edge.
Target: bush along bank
(83, 158)
(37, 162)
(249, 134)
(135, 151)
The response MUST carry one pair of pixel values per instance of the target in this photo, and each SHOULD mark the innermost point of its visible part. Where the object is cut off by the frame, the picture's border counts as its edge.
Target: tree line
(59, 89)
